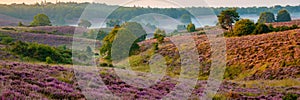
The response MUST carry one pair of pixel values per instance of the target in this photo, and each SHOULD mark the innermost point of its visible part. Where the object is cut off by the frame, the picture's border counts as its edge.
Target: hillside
(268, 56)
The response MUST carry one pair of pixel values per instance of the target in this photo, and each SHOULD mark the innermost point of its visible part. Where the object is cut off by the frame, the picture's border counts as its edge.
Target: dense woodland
(60, 12)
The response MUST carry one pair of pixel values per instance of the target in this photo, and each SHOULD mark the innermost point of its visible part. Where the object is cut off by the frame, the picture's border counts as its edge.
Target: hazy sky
(168, 3)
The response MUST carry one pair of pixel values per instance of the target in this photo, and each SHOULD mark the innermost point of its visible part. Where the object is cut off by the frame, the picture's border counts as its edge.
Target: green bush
(191, 27)
(243, 27)
(290, 96)
(261, 28)
(4, 39)
(41, 20)
(41, 52)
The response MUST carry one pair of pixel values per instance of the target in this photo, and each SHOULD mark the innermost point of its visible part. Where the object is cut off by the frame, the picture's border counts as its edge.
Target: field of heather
(19, 81)
(262, 66)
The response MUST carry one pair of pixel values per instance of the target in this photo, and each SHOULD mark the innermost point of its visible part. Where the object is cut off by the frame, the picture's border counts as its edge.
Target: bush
(261, 28)
(41, 20)
(243, 27)
(191, 27)
(290, 96)
(41, 52)
(4, 39)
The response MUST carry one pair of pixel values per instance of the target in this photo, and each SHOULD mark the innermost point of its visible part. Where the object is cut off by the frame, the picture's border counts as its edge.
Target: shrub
(41, 20)
(6, 39)
(261, 28)
(191, 27)
(243, 27)
(290, 96)
(41, 52)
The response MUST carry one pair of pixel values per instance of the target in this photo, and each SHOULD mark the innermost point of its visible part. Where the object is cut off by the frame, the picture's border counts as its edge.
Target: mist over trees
(62, 12)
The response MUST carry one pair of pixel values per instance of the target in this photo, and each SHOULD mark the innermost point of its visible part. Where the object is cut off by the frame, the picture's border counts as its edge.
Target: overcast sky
(175, 3)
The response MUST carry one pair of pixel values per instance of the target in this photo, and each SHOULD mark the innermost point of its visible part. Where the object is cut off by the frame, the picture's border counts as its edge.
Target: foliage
(283, 28)
(191, 27)
(159, 35)
(261, 28)
(127, 32)
(227, 17)
(5, 39)
(290, 96)
(243, 27)
(41, 20)
(283, 16)
(41, 52)
(185, 18)
(84, 23)
(266, 17)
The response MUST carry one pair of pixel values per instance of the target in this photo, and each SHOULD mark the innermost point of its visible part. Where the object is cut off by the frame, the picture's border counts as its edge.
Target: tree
(191, 28)
(243, 27)
(41, 20)
(159, 35)
(126, 32)
(261, 28)
(283, 16)
(227, 18)
(266, 17)
(185, 18)
(84, 23)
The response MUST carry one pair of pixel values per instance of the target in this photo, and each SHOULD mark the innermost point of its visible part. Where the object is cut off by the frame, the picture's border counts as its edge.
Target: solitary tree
(243, 27)
(191, 28)
(41, 20)
(283, 16)
(227, 18)
(266, 17)
(84, 23)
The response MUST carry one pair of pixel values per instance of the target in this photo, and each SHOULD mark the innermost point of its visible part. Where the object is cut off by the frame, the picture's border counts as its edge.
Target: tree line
(60, 12)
